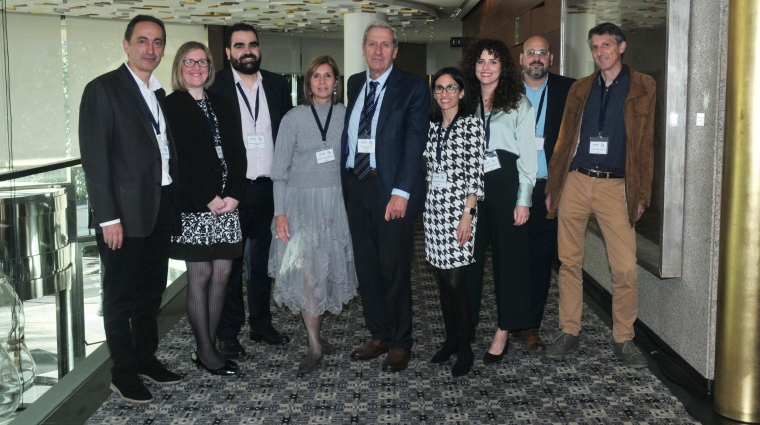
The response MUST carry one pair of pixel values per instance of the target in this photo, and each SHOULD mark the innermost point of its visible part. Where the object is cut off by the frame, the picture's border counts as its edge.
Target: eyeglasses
(189, 63)
(451, 88)
(541, 53)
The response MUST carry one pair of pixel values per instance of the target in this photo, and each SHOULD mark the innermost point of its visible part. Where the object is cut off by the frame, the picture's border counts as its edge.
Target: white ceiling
(417, 21)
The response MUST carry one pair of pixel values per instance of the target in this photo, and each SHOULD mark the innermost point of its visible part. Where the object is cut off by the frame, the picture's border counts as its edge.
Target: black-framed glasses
(189, 63)
(540, 53)
(451, 88)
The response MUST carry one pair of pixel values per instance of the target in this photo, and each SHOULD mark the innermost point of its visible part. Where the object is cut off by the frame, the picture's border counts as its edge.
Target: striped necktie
(361, 159)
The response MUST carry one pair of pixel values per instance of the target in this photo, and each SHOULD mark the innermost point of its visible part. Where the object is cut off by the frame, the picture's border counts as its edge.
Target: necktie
(361, 159)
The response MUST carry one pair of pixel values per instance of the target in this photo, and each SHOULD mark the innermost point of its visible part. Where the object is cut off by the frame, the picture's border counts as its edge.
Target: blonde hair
(311, 68)
(178, 81)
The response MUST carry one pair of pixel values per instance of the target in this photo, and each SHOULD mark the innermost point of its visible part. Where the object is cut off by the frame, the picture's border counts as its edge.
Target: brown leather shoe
(373, 349)
(530, 338)
(397, 360)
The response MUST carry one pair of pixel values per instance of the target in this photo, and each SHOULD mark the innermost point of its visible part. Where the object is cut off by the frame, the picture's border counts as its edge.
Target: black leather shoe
(231, 348)
(158, 374)
(222, 371)
(489, 358)
(270, 336)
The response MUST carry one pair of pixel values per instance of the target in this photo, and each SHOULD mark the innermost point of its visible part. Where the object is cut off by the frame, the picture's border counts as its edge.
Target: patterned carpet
(590, 386)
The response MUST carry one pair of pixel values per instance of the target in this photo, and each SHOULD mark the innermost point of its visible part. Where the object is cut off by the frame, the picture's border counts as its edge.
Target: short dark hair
(466, 107)
(240, 26)
(142, 18)
(607, 28)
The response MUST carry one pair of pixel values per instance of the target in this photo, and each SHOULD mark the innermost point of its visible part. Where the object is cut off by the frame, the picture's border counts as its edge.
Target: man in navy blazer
(130, 170)
(548, 93)
(383, 185)
(260, 98)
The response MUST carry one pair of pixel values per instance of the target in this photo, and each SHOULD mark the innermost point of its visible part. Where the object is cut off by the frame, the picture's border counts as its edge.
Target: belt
(259, 180)
(598, 174)
(540, 180)
(372, 172)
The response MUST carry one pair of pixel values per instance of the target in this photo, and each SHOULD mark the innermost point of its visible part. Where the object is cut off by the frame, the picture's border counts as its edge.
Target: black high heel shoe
(222, 371)
(489, 358)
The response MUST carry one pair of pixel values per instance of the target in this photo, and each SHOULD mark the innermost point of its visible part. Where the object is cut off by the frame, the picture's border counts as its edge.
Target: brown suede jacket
(638, 114)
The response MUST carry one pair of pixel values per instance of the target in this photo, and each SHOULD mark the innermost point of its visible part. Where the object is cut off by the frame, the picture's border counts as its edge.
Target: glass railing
(49, 257)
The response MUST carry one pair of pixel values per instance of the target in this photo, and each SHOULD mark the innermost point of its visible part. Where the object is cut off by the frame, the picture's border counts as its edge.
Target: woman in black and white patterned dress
(211, 164)
(455, 153)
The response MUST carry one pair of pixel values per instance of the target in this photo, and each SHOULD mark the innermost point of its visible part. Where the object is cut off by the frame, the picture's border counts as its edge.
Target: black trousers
(383, 257)
(543, 245)
(134, 278)
(509, 247)
(256, 216)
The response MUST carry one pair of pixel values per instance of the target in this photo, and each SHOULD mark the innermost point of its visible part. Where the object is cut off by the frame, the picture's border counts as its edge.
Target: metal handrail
(59, 165)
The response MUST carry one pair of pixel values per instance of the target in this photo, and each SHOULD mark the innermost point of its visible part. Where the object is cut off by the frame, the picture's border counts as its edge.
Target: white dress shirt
(259, 160)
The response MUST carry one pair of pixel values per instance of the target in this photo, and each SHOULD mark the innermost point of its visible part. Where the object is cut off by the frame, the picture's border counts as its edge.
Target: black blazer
(120, 155)
(400, 138)
(275, 89)
(559, 87)
(199, 167)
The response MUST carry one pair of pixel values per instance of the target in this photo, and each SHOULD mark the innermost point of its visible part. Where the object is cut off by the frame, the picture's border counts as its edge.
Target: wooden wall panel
(537, 18)
(496, 19)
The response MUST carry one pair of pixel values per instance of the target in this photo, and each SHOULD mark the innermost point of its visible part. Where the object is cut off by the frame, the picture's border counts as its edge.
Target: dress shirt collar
(382, 79)
(538, 90)
(237, 79)
(153, 81)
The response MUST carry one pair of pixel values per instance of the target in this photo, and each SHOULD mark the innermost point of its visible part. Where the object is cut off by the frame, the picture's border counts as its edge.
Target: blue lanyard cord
(319, 124)
(442, 140)
(541, 105)
(248, 105)
(486, 124)
(156, 123)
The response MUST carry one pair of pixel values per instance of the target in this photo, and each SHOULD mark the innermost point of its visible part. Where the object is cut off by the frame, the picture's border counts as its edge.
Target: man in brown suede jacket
(602, 164)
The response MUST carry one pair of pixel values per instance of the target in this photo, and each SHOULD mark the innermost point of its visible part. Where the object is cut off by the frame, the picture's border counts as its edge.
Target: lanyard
(442, 140)
(156, 123)
(209, 117)
(541, 105)
(319, 124)
(248, 105)
(366, 87)
(603, 108)
(486, 124)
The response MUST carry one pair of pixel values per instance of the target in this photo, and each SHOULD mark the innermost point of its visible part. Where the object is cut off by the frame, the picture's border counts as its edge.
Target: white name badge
(163, 147)
(492, 162)
(255, 141)
(439, 180)
(365, 146)
(539, 143)
(598, 145)
(325, 155)
(219, 152)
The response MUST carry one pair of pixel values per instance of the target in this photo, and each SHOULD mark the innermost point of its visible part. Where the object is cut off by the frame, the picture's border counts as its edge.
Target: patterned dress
(462, 157)
(205, 236)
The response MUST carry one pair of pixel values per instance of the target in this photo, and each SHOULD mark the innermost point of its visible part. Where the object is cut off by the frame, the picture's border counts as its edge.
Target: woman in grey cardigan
(311, 256)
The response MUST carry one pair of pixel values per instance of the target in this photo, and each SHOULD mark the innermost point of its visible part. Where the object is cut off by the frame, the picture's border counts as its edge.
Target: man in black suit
(383, 186)
(548, 93)
(131, 173)
(261, 99)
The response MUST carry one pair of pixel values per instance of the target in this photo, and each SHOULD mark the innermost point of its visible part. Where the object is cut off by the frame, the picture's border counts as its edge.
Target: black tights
(455, 305)
(206, 292)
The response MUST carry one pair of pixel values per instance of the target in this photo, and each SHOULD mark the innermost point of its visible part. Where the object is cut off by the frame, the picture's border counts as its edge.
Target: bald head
(536, 59)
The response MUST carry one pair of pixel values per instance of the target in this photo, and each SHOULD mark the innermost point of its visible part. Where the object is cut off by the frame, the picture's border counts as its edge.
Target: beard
(248, 68)
(537, 74)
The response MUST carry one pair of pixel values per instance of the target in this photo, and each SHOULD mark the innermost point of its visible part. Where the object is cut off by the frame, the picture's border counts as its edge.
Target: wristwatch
(470, 211)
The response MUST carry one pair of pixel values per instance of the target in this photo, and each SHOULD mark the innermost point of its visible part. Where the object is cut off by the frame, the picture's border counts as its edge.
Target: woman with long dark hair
(509, 176)
(455, 152)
